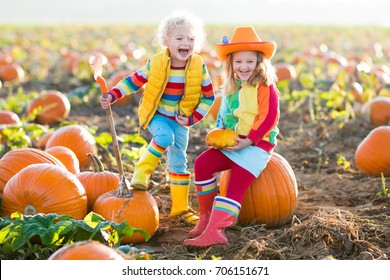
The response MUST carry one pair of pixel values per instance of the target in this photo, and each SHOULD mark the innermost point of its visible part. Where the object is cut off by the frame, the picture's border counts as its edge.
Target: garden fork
(96, 63)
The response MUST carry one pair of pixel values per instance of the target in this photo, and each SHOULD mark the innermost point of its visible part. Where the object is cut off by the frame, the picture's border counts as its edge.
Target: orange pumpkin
(41, 144)
(98, 181)
(14, 161)
(285, 71)
(220, 138)
(272, 198)
(44, 188)
(12, 72)
(54, 107)
(372, 155)
(78, 139)
(67, 157)
(9, 117)
(86, 250)
(377, 110)
(138, 208)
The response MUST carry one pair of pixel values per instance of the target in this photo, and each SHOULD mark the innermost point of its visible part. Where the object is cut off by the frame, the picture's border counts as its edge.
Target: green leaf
(104, 139)
(134, 138)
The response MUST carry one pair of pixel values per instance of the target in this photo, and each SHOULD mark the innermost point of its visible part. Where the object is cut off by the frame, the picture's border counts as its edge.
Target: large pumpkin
(86, 250)
(44, 188)
(14, 161)
(53, 107)
(66, 156)
(372, 155)
(78, 139)
(138, 208)
(98, 181)
(272, 198)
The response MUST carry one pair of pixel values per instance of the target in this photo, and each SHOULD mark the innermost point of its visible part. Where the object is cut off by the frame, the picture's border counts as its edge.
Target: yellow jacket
(160, 65)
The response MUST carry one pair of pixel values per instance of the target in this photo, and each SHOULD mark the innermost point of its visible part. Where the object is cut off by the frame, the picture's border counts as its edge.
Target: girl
(251, 108)
(178, 94)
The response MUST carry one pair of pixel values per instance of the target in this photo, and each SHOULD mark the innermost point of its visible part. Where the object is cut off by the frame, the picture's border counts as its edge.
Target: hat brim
(268, 48)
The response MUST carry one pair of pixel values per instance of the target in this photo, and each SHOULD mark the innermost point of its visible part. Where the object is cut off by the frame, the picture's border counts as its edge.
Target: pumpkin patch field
(324, 195)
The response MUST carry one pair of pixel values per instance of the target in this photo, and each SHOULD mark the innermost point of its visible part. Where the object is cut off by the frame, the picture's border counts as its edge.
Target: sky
(311, 12)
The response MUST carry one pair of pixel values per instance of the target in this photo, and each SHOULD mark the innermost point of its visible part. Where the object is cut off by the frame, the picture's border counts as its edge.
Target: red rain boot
(206, 200)
(223, 215)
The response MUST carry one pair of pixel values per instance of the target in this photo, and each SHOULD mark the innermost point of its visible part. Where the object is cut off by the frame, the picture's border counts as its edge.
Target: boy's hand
(182, 120)
(105, 101)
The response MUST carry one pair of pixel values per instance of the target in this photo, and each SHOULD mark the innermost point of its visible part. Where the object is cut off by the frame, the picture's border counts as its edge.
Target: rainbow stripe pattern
(227, 205)
(206, 186)
(179, 179)
(155, 149)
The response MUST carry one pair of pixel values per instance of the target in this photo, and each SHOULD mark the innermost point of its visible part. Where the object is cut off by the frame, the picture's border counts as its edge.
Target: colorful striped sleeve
(268, 114)
(130, 84)
(206, 100)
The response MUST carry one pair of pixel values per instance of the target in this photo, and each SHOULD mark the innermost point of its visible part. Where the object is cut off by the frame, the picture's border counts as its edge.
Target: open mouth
(183, 52)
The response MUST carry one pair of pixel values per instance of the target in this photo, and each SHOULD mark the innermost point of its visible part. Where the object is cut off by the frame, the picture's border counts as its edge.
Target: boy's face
(244, 64)
(180, 43)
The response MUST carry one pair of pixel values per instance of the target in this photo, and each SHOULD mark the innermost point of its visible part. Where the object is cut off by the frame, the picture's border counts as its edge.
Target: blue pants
(171, 135)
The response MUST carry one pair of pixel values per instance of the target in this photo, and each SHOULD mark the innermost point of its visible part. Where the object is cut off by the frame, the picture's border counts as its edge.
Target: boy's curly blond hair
(182, 19)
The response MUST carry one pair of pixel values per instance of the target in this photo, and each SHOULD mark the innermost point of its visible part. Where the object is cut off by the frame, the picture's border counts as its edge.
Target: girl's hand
(242, 143)
(182, 120)
(105, 101)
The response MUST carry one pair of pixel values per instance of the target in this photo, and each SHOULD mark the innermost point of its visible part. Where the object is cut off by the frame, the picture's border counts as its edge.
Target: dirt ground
(339, 214)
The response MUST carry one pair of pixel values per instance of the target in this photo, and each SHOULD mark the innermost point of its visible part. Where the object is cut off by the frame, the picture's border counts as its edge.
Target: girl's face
(180, 43)
(244, 64)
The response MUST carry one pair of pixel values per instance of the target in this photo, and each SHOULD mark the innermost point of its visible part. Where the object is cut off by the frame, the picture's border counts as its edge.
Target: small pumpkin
(98, 181)
(66, 156)
(9, 117)
(272, 198)
(53, 107)
(44, 188)
(86, 250)
(78, 139)
(138, 208)
(220, 138)
(377, 110)
(41, 144)
(15, 160)
(372, 156)
(285, 71)
(11, 72)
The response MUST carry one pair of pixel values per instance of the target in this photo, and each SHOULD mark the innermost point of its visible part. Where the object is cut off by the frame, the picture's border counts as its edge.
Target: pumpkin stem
(123, 189)
(97, 164)
(30, 210)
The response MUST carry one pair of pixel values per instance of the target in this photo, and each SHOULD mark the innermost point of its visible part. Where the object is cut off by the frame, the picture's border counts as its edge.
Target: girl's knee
(199, 165)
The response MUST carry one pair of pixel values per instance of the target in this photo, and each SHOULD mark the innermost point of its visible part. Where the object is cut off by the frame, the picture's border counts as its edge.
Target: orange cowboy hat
(244, 39)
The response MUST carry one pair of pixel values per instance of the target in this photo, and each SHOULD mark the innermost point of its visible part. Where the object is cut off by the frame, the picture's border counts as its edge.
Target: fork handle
(102, 83)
